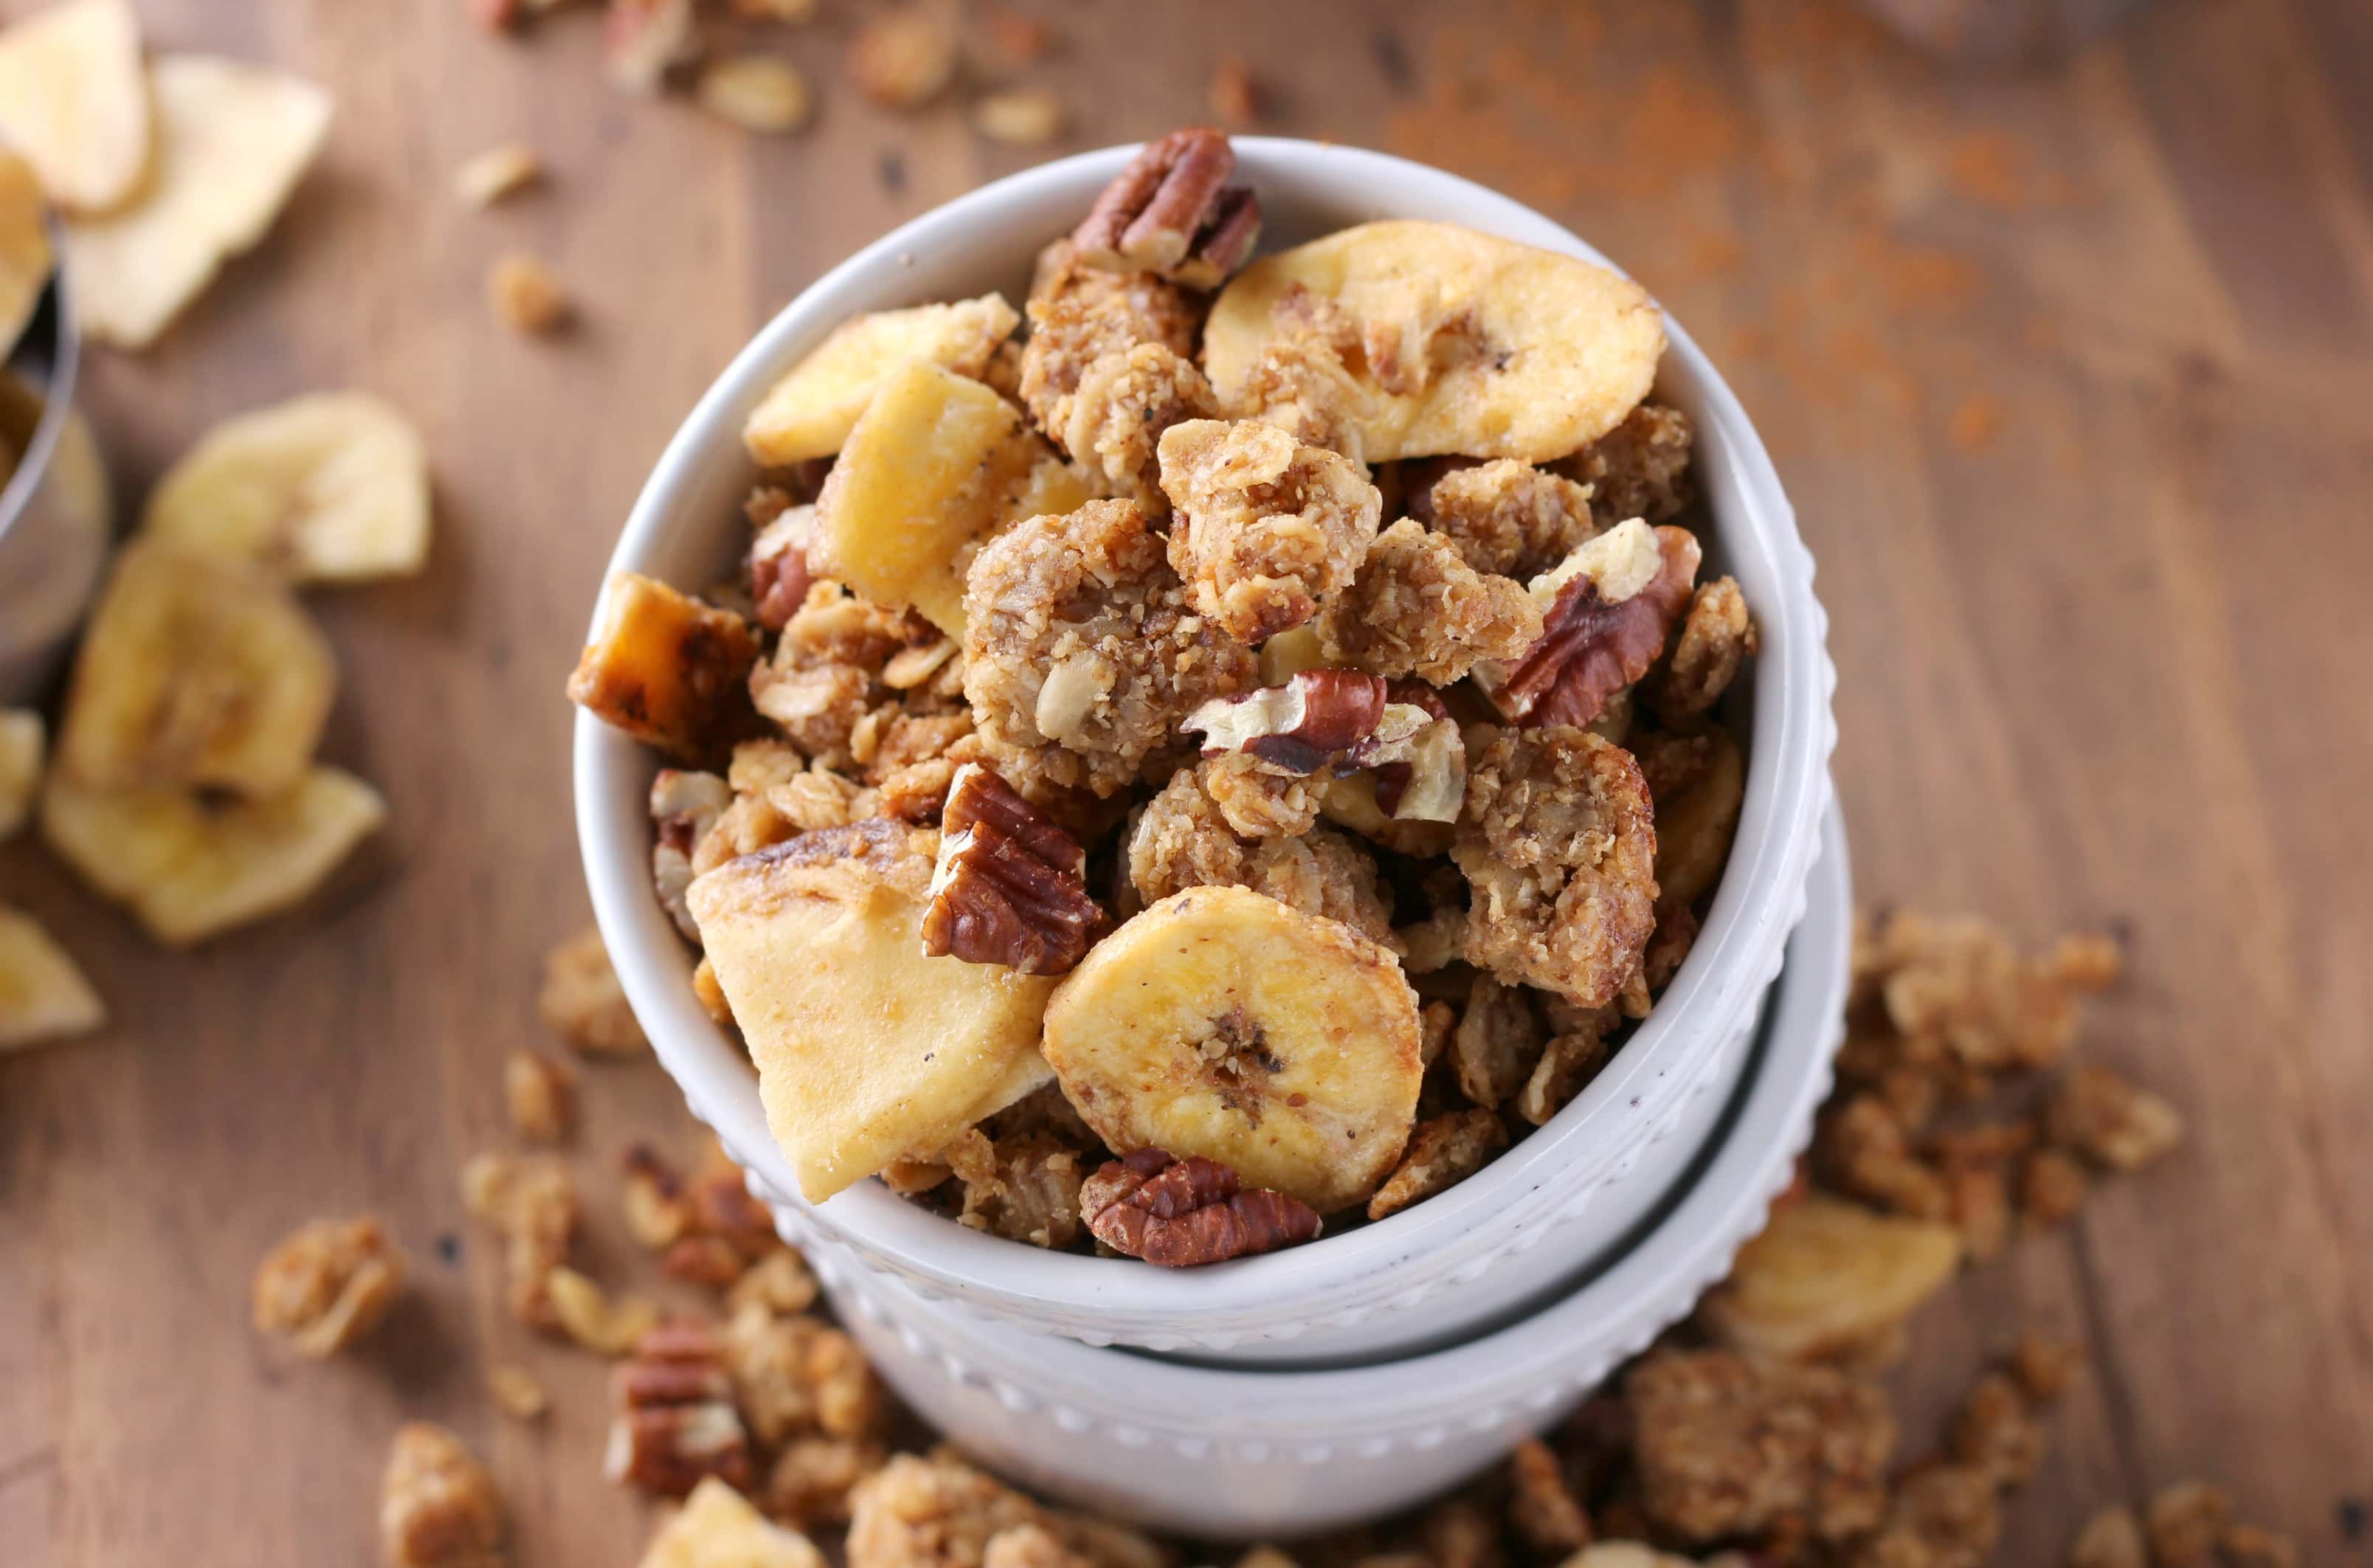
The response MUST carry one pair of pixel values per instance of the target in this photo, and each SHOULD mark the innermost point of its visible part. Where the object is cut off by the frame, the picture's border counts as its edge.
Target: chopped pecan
(1717, 637)
(1296, 728)
(1171, 212)
(1179, 1213)
(438, 1507)
(1420, 764)
(674, 1419)
(328, 1284)
(1011, 886)
(1609, 609)
(779, 574)
(685, 806)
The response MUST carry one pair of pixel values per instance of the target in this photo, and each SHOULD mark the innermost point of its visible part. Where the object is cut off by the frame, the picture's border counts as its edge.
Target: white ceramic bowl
(1237, 1454)
(1442, 1268)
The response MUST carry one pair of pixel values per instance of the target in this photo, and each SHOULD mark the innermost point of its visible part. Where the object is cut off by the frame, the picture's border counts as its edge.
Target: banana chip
(195, 670)
(190, 869)
(332, 488)
(233, 140)
(21, 748)
(75, 102)
(26, 260)
(42, 995)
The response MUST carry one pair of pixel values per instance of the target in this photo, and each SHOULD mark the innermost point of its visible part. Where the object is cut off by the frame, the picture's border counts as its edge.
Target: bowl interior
(687, 529)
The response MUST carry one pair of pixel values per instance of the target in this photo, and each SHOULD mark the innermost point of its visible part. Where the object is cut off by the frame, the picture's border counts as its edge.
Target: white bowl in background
(1542, 1214)
(1240, 1454)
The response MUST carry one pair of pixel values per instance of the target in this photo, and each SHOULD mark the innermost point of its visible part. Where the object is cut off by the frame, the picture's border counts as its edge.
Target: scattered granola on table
(1202, 581)
(328, 1284)
(437, 1506)
(582, 1002)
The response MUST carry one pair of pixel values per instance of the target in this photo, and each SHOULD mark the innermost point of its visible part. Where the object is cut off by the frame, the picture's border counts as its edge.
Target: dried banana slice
(190, 868)
(26, 260)
(23, 746)
(1828, 1278)
(233, 140)
(811, 410)
(42, 995)
(1474, 345)
(75, 100)
(332, 487)
(1222, 1023)
(195, 670)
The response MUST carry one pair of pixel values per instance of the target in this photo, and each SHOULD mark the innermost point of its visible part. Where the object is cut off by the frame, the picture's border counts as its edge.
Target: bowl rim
(1778, 834)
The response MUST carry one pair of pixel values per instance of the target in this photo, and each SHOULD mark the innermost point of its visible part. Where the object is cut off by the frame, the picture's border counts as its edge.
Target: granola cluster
(1320, 585)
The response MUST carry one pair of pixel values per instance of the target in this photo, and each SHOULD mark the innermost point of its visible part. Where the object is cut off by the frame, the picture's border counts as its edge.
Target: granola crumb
(327, 1285)
(1183, 839)
(437, 1506)
(2050, 1188)
(1717, 635)
(532, 1203)
(527, 296)
(1267, 531)
(582, 1002)
(517, 1394)
(2111, 1538)
(932, 1512)
(1543, 1509)
(1640, 468)
(2090, 960)
(1080, 655)
(1443, 1152)
(814, 1478)
(2046, 1369)
(1415, 608)
(1559, 845)
(540, 1095)
(586, 1313)
(2114, 1123)
(2183, 1523)
(756, 92)
(1728, 1447)
(1994, 1433)
(1024, 1188)
(903, 59)
(1508, 517)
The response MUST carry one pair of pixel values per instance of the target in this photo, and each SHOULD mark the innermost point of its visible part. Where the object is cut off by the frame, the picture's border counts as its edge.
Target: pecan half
(1615, 601)
(1179, 1213)
(1296, 728)
(1171, 212)
(1010, 887)
(675, 1420)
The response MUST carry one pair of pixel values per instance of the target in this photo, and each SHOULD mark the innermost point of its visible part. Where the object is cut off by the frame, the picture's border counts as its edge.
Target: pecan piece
(675, 1420)
(1295, 728)
(1011, 886)
(1419, 761)
(1178, 1213)
(1171, 212)
(1610, 609)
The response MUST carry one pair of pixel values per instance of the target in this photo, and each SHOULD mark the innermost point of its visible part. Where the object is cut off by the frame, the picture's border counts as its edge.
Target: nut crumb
(1234, 96)
(527, 296)
(532, 1203)
(327, 1285)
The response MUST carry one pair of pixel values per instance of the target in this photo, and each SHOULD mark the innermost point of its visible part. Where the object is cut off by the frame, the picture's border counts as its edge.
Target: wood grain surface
(2068, 373)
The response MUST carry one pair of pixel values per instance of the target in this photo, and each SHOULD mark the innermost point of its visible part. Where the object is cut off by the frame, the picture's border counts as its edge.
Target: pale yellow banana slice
(23, 746)
(190, 868)
(1472, 343)
(811, 410)
(195, 670)
(233, 140)
(1223, 1023)
(42, 995)
(330, 487)
(937, 464)
(1828, 1278)
(867, 1051)
(75, 100)
(26, 260)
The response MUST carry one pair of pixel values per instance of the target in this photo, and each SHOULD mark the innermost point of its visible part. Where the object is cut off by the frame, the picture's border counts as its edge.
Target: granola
(327, 1285)
(1132, 564)
(582, 1002)
(438, 1507)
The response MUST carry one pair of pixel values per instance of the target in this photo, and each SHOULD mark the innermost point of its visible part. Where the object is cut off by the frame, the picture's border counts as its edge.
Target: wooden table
(2067, 373)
